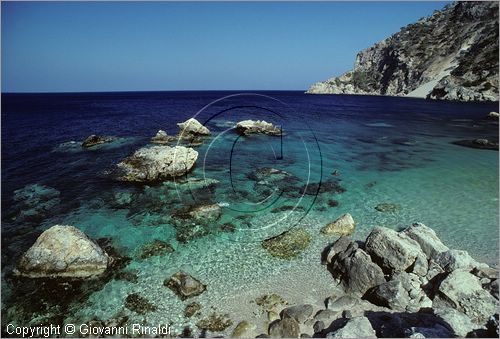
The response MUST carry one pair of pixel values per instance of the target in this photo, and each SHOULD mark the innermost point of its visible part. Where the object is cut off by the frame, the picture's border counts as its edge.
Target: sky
(140, 46)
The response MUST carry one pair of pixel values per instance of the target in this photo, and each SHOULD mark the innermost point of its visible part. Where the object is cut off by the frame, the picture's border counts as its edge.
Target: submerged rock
(139, 304)
(162, 137)
(184, 285)
(270, 302)
(94, 140)
(247, 127)
(215, 322)
(63, 251)
(387, 207)
(156, 248)
(342, 226)
(149, 164)
(192, 127)
(478, 143)
(191, 309)
(35, 202)
(287, 245)
(206, 213)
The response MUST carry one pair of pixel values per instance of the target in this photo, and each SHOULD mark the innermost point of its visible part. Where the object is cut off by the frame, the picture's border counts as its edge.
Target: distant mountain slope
(452, 54)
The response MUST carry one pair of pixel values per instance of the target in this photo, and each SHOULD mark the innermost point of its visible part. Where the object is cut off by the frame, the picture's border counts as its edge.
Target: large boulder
(456, 259)
(356, 270)
(336, 248)
(462, 291)
(358, 327)
(459, 322)
(149, 164)
(390, 294)
(427, 239)
(247, 127)
(284, 328)
(184, 285)
(344, 225)
(192, 127)
(63, 251)
(300, 312)
(393, 251)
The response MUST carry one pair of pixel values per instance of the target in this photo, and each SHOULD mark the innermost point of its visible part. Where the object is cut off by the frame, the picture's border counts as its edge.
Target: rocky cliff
(452, 54)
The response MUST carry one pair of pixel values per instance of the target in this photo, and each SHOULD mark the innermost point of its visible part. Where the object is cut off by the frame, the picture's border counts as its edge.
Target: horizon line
(161, 90)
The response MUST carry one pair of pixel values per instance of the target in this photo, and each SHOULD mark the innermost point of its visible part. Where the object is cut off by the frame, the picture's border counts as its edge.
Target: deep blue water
(385, 149)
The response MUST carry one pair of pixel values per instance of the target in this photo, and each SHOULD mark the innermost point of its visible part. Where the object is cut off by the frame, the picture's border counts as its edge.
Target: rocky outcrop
(63, 252)
(192, 127)
(156, 163)
(452, 54)
(247, 127)
(94, 140)
(410, 284)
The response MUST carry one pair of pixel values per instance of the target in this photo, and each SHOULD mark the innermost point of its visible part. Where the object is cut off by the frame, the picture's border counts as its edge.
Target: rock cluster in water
(247, 127)
(63, 252)
(452, 55)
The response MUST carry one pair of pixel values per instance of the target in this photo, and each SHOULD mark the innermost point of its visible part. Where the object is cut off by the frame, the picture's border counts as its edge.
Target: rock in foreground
(63, 251)
(247, 127)
(150, 164)
(409, 283)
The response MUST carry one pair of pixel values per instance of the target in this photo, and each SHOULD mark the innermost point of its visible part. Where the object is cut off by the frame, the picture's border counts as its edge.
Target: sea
(388, 161)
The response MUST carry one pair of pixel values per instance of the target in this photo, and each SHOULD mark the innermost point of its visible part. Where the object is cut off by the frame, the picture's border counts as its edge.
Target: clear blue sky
(112, 46)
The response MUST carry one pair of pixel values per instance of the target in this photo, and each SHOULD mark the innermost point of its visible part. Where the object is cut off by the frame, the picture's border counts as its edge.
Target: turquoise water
(384, 150)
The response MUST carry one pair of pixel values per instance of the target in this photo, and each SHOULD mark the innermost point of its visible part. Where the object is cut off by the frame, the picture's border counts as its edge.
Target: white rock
(192, 127)
(63, 251)
(157, 163)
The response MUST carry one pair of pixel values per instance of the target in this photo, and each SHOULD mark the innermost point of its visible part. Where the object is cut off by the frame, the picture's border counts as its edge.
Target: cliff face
(452, 54)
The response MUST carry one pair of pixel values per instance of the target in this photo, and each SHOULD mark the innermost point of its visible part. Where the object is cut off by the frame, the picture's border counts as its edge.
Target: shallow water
(385, 150)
